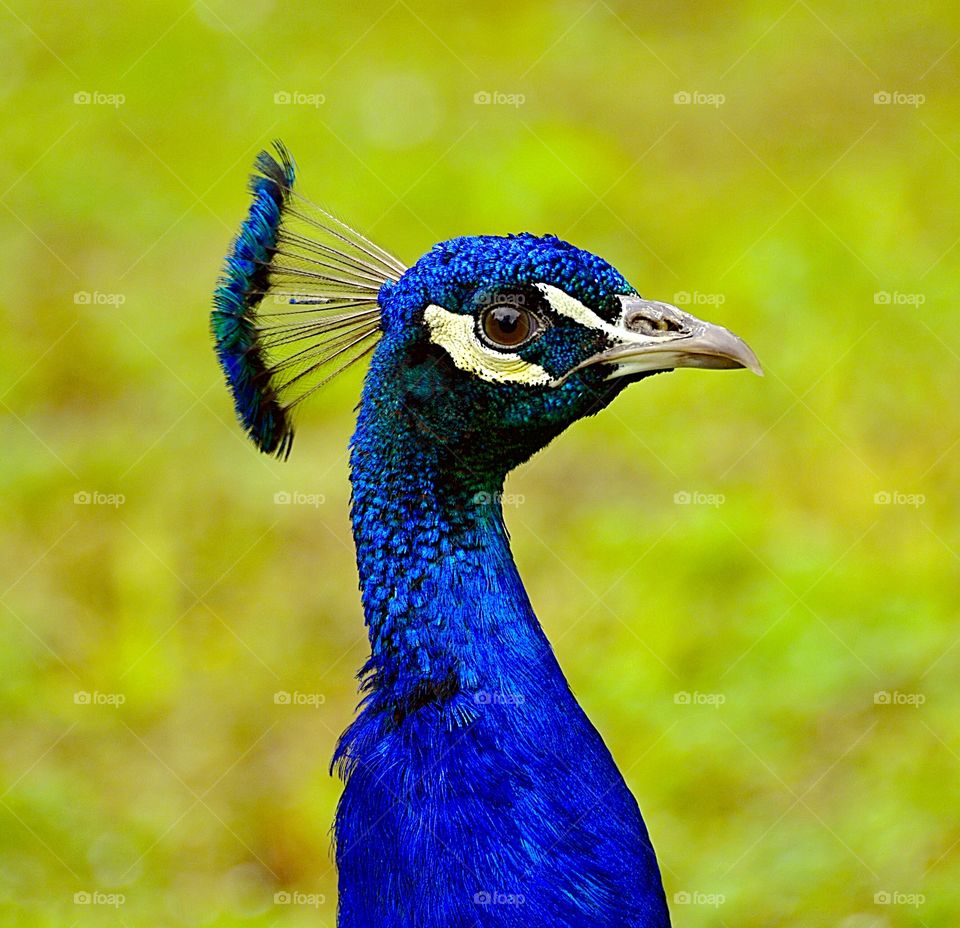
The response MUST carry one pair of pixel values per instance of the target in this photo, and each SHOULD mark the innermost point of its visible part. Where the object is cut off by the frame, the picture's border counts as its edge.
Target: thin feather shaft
(280, 339)
(320, 306)
(326, 351)
(353, 280)
(314, 367)
(389, 269)
(333, 374)
(357, 239)
(357, 264)
(324, 278)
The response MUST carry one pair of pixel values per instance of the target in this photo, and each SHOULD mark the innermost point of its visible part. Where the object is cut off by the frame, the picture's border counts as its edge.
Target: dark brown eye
(507, 326)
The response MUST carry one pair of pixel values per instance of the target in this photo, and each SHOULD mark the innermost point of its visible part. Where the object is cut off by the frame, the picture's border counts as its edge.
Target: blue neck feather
(438, 582)
(478, 793)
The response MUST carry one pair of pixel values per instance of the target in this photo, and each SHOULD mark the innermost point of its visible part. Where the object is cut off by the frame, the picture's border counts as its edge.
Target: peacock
(476, 790)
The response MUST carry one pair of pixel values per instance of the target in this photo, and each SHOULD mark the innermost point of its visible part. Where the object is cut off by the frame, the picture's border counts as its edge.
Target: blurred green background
(769, 656)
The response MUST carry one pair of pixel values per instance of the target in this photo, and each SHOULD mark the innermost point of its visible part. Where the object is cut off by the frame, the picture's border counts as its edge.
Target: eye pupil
(507, 326)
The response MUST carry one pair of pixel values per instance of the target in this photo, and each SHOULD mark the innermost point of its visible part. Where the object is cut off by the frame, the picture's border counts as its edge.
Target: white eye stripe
(454, 332)
(566, 305)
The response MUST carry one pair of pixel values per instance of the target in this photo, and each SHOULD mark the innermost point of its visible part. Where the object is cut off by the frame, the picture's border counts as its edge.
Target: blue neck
(445, 608)
(471, 772)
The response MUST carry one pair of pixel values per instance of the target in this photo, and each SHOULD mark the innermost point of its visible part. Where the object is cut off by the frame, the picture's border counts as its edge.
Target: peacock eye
(506, 326)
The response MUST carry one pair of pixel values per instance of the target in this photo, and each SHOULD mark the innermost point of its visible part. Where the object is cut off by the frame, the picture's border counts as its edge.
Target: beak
(653, 336)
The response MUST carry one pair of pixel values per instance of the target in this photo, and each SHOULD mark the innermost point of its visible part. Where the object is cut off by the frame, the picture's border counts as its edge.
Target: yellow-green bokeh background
(788, 209)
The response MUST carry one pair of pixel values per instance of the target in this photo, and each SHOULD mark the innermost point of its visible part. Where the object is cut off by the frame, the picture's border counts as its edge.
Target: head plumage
(296, 303)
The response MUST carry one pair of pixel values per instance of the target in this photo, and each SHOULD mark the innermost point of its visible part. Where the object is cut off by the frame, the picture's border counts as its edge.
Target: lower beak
(685, 341)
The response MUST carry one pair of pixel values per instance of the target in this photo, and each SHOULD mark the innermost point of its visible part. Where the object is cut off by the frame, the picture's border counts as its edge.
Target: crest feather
(296, 303)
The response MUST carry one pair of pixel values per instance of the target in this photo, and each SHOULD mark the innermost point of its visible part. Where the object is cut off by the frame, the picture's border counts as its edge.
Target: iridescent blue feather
(240, 292)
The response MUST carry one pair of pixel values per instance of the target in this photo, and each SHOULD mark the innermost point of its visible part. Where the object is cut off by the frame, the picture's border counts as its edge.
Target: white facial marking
(454, 332)
(661, 359)
(566, 305)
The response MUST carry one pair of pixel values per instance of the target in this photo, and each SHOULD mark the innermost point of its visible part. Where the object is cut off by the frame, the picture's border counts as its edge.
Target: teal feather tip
(296, 303)
(240, 291)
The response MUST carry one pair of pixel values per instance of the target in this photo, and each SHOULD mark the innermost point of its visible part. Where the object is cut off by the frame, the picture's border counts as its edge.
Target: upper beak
(653, 336)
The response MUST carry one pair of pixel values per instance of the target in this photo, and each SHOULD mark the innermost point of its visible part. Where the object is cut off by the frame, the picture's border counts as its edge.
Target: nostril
(650, 318)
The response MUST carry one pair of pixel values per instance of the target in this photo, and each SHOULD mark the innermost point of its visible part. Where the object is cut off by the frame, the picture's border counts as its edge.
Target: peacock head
(489, 345)
(498, 343)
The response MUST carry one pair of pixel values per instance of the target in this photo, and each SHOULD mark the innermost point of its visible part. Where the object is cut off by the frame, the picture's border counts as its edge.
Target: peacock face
(492, 344)
(499, 343)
